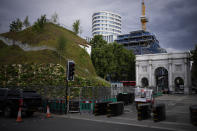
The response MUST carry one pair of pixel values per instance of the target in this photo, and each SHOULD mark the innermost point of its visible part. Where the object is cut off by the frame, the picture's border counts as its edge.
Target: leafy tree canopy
(76, 26)
(16, 25)
(112, 61)
(39, 24)
(26, 22)
(98, 42)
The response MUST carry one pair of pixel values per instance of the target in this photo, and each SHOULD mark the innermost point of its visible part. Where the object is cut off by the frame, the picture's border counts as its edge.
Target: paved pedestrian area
(177, 114)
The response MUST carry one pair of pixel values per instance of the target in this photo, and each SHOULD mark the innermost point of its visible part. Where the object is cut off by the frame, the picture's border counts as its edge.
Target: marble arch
(177, 65)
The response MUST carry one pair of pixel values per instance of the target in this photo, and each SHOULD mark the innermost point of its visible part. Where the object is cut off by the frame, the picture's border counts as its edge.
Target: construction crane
(143, 18)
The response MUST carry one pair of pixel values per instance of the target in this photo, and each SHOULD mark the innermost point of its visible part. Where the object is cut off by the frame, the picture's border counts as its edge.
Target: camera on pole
(70, 70)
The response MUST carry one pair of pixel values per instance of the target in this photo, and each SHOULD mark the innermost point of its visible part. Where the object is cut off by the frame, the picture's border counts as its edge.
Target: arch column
(170, 81)
(150, 73)
(186, 77)
(137, 77)
(189, 77)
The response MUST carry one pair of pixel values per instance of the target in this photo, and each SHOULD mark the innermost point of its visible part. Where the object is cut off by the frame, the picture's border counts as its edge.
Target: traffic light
(70, 70)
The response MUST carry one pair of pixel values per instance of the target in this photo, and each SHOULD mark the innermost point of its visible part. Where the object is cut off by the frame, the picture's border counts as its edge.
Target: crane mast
(143, 18)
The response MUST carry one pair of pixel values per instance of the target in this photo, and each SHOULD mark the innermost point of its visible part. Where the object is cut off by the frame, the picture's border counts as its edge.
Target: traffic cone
(48, 112)
(19, 119)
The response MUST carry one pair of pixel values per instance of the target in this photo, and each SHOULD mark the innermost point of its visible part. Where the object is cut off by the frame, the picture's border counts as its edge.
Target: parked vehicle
(9, 101)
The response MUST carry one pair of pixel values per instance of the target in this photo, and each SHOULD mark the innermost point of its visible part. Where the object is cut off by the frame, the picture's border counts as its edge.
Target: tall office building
(107, 24)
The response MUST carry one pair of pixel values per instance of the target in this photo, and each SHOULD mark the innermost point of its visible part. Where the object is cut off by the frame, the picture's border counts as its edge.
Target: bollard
(193, 114)
(159, 112)
(143, 111)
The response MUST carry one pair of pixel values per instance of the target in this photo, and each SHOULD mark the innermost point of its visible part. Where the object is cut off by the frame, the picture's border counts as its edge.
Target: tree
(16, 25)
(61, 46)
(112, 61)
(76, 26)
(54, 18)
(98, 42)
(39, 24)
(26, 22)
(98, 55)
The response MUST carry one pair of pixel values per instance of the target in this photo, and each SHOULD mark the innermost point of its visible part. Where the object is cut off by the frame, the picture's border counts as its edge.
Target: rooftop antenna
(143, 18)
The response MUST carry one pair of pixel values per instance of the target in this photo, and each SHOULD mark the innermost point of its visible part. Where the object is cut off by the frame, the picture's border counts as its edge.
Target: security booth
(143, 96)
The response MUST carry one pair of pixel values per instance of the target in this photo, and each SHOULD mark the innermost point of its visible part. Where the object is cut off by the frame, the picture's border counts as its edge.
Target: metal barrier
(57, 106)
(86, 97)
(74, 106)
(157, 94)
(89, 104)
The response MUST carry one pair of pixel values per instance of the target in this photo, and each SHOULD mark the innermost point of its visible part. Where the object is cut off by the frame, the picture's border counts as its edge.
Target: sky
(174, 22)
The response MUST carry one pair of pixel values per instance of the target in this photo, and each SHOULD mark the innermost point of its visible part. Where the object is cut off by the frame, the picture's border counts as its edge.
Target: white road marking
(177, 112)
(175, 123)
(139, 125)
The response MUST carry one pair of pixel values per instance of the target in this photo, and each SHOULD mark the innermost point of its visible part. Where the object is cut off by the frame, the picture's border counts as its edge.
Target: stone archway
(161, 78)
(179, 84)
(173, 65)
(144, 82)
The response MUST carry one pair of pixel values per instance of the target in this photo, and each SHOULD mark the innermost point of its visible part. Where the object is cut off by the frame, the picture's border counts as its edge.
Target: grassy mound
(49, 37)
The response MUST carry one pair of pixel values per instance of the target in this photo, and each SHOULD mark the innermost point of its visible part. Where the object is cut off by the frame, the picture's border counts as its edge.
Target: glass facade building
(107, 24)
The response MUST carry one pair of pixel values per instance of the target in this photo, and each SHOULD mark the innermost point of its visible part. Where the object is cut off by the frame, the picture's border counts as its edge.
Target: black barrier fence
(115, 109)
(127, 98)
(193, 114)
(159, 112)
(144, 112)
(101, 108)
